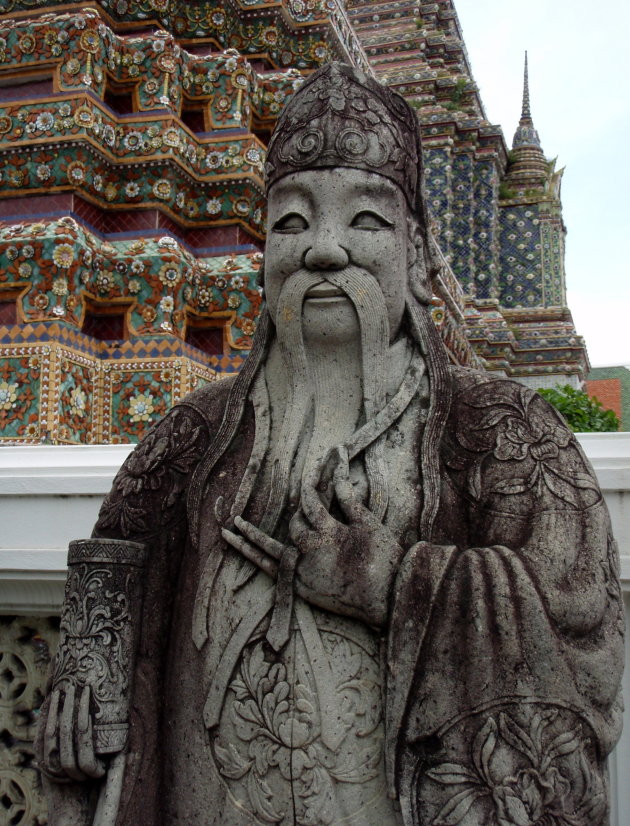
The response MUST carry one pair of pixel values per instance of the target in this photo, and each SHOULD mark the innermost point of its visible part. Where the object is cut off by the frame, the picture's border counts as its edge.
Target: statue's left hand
(68, 742)
(345, 567)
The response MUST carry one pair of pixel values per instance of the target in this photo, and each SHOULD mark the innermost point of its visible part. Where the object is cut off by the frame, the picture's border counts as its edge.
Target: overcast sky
(579, 74)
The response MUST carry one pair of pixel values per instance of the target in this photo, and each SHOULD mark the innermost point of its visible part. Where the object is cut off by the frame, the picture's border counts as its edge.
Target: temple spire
(526, 134)
(525, 111)
(528, 169)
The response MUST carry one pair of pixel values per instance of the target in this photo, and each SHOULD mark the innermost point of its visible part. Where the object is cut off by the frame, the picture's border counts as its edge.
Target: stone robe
(491, 695)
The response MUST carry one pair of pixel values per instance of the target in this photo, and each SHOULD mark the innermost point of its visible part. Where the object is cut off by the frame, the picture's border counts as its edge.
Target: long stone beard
(312, 392)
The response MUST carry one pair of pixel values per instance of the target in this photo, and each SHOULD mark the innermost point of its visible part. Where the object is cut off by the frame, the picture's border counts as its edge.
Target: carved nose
(326, 253)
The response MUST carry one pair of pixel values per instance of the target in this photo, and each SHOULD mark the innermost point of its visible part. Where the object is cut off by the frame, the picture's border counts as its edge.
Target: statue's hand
(353, 561)
(68, 742)
(344, 567)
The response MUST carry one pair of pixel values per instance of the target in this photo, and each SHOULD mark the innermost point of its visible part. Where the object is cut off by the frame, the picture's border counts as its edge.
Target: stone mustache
(379, 589)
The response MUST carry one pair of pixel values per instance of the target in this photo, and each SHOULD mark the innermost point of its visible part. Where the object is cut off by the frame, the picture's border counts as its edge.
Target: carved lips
(324, 290)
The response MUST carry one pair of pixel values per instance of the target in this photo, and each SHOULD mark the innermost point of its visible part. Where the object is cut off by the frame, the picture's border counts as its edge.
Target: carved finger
(87, 761)
(352, 508)
(342, 464)
(260, 538)
(255, 555)
(300, 530)
(337, 459)
(313, 507)
(51, 738)
(66, 737)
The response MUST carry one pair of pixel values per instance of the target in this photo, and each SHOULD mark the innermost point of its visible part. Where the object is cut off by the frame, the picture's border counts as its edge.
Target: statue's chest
(400, 447)
(300, 738)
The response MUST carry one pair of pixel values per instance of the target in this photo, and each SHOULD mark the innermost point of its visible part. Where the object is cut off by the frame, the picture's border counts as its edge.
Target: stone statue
(380, 589)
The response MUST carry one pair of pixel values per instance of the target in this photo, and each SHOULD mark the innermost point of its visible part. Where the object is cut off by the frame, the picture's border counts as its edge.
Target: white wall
(50, 495)
(610, 456)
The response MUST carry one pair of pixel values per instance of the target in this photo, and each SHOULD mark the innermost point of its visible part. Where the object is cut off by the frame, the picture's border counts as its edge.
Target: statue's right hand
(68, 743)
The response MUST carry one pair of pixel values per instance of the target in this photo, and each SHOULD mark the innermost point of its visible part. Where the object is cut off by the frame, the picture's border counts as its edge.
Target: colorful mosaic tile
(521, 256)
(462, 257)
(199, 377)
(24, 385)
(165, 181)
(437, 180)
(76, 387)
(552, 240)
(57, 394)
(76, 142)
(136, 395)
(61, 267)
(485, 186)
(86, 55)
(302, 33)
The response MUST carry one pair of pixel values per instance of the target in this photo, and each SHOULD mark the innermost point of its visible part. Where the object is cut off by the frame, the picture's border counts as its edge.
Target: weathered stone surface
(379, 589)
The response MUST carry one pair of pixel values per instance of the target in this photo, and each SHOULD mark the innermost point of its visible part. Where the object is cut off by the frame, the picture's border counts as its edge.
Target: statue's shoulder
(505, 443)
(476, 392)
(464, 379)
(148, 491)
(209, 401)
(478, 389)
(485, 405)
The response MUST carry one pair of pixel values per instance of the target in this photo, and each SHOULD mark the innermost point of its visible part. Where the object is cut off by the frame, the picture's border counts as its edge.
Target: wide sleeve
(147, 496)
(146, 509)
(505, 640)
(147, 503)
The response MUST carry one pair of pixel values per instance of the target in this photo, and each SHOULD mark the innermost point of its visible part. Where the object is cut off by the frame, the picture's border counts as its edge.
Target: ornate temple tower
(532, 233)
(498, 215)
(132, 136)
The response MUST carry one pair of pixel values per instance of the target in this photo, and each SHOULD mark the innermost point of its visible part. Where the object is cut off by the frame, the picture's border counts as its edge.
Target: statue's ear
(417, 263)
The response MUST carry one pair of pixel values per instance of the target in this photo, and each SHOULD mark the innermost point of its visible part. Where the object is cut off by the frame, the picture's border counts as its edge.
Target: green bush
(583, 413)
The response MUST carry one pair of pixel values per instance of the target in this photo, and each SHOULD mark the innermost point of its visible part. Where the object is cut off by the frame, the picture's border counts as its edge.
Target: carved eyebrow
(381, 187)
(288, 189)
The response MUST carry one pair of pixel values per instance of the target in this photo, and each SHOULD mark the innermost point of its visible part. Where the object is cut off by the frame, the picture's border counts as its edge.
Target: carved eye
(291, 223)
(370, 221)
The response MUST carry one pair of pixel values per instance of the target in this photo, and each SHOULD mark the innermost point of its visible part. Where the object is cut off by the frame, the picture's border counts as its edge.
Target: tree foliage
(584, 414)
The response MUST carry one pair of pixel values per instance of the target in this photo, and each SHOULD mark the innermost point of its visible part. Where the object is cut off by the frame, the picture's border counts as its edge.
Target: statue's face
(324, 221)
